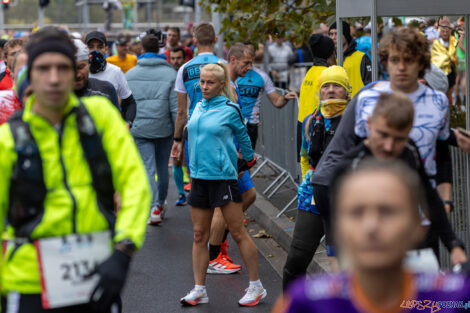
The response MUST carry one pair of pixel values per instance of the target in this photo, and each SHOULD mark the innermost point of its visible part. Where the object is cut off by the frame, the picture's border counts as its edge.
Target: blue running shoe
(181, 200)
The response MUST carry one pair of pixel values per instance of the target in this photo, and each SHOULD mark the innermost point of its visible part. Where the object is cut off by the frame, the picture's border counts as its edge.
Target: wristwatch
(177, 139)
(457, 243)
(127, 246)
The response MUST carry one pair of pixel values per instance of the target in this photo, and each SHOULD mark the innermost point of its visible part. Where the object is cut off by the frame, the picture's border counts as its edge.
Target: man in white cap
(86, 86)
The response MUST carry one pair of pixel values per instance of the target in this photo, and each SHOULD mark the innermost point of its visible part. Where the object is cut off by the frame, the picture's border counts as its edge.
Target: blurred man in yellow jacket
(444, 53)
(63, 158)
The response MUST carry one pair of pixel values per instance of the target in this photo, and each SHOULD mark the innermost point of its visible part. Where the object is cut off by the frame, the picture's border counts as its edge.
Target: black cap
(95, 35)
(321, 46)
(122, 39)
(346, 31)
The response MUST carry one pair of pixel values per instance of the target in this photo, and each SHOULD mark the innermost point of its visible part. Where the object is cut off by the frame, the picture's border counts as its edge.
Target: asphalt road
(161, 271)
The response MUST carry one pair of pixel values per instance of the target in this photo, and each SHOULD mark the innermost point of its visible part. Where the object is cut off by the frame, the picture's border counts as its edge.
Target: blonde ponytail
(221, 73)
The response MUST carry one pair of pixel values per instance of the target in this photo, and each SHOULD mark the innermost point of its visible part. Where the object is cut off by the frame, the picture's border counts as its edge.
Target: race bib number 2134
(65, 264)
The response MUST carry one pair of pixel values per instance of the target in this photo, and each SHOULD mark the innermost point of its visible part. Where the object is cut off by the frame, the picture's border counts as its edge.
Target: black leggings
(31, 303)
(307, 234)
(252, 133)
(321, 195)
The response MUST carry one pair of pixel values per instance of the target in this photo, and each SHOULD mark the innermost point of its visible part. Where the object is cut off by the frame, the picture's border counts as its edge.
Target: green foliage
(457, 116)
(256, 21)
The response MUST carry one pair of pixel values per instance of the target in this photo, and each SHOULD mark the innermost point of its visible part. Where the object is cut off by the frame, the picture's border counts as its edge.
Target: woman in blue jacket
(215, 121)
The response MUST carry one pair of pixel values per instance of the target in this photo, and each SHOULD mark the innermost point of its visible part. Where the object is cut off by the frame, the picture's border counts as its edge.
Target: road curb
(281, 229)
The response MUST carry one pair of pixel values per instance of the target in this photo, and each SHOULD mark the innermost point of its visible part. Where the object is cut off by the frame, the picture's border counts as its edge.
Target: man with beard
(84, 85)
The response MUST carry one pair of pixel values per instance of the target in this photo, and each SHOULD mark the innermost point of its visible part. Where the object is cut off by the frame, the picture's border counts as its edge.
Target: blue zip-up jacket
(211, 129)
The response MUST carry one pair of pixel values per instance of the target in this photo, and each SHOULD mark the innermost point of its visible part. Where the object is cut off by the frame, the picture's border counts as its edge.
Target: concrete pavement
(161, 273)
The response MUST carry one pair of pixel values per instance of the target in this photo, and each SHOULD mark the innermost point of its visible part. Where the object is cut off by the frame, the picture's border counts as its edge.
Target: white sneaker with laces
(155, 216)
(195, 297)
(254, 294)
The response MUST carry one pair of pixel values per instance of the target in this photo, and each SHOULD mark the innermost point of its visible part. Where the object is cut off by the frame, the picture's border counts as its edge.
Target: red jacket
(9, 103)
(6, 82)
(187, 51)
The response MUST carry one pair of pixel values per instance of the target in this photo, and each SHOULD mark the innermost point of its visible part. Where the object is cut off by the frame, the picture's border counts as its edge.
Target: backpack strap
(27, 188)
(98, 162)
(2, 75)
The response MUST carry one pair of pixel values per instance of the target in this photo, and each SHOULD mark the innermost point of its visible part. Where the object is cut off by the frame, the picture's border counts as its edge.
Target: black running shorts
(210, 194)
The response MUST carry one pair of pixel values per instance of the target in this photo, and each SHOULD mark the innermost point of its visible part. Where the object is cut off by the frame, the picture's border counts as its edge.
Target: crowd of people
(87, 135)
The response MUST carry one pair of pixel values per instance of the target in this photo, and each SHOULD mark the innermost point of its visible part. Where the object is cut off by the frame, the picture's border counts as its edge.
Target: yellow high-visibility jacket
(20, 272)
(353, 64)
(309, 92)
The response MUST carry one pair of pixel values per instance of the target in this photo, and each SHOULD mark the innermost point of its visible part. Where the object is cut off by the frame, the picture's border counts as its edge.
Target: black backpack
(27, 187)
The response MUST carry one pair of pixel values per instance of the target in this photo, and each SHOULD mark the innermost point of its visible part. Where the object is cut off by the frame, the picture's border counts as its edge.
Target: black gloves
(112, 273)
(245, 165)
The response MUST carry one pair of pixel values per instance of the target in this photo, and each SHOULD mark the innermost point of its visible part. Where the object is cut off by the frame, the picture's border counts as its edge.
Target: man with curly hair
(405, 54)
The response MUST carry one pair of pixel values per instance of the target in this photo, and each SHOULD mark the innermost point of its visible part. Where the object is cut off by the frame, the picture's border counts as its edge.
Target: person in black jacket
(405, 54)
(389, 126)
(317, 131)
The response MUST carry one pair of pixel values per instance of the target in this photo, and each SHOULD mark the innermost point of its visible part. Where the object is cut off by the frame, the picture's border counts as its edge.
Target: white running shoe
(194, 297)
(155, 216)
(253, 296)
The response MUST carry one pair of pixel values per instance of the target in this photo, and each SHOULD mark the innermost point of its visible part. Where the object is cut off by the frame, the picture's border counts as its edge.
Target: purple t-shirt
(427, 293)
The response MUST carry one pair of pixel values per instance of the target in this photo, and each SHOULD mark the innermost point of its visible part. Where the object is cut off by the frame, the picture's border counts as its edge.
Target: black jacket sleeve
(440, 225)
(443, 163)
(128, 108)
(366, 70)
(113, 95)
(452, 140)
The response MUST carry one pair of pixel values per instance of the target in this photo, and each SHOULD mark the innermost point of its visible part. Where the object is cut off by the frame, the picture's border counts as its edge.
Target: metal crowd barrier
(297, 73)
(277, 147)
(459, 218)
(277, 144)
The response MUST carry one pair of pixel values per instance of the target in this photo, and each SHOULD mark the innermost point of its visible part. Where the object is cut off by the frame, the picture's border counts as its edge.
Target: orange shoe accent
(223, 251)
(254, 302)
(221, 265)
(187, 188)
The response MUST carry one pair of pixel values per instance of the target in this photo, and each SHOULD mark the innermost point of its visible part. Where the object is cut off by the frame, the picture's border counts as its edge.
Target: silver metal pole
(2, 20)
(467, 73)
(186, 16)
(216, 21)
(467, 105)
(375, 61)
(149, 14)
(159, 12)
(40, 16)
(135, 11)
(339, 41)
(197, 12)
(86, 16)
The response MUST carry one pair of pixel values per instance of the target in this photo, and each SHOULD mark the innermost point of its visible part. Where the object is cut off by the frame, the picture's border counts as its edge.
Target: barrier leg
(259, 168)
(287, 206)
(274, 182)
(278, 186)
